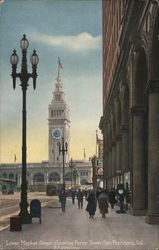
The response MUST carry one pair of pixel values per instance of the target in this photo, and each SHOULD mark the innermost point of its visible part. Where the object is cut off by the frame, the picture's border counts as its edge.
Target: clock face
(57, 133)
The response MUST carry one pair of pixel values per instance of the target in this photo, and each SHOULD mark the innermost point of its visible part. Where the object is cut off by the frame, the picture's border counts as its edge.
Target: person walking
(86, 194)
(112, 199)
(103, 203)
(73, 194)
(80, 198)
(91, 205)
(98, 192)
(62, 199)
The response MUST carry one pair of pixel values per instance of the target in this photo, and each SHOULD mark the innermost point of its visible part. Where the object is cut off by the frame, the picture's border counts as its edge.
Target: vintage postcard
(79, 124)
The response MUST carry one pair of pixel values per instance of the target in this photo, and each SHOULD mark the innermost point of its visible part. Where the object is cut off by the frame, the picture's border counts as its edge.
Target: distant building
(51, 171)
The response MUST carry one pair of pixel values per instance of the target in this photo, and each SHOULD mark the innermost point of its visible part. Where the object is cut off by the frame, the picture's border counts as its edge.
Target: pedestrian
(62, 199)
(73, 194)
(91, 205)
(112, 197)
(86, 194)
(80, 198)
(98, 192)
(103, 203)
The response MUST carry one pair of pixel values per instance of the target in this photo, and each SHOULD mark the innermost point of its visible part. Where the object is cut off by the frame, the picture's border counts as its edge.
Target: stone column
(139, 189)
(105, 159)
(113, 161)
(152, 216)
(106, 167)
(118, 155)
(109, 169)
(125, 148)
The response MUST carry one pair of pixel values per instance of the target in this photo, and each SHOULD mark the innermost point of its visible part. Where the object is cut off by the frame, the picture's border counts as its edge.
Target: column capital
(138, 110)
(152, 86)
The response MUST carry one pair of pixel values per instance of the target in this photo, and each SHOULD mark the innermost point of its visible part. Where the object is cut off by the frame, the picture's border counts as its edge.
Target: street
(74, 230)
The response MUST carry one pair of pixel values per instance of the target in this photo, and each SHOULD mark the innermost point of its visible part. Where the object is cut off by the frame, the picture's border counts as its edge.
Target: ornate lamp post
(24, 77)
(63, 148)
(71, 165)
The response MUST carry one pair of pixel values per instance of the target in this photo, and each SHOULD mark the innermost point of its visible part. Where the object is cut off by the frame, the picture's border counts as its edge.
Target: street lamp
(24, 77)
(63, 148)
(71, 165)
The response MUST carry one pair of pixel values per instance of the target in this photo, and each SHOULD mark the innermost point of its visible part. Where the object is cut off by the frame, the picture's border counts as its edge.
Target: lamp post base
(25, 218)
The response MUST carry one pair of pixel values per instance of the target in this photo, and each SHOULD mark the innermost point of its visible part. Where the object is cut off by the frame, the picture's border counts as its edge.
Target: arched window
(4, 175)
(54, 177)
(84, 182)
(4, 188)
(68, 176)
(11, 176)
(38, 178)
(11, 187)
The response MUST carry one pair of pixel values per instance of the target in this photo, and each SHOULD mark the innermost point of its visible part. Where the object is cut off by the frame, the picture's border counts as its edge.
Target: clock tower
(59, 123)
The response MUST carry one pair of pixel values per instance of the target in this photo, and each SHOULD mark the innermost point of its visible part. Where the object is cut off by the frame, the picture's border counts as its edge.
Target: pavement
(74, 230)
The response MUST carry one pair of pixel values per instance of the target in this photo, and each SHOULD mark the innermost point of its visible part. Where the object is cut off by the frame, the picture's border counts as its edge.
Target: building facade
(51, 171)
(130, 121)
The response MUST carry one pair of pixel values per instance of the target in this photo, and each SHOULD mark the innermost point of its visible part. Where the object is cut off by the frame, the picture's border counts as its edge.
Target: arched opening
(11, 176)
(11, 188)
(4, 175)
(68, 176)
(38, 178)
(4, 189)
(155, 51)
(140, 79)
(54, 177)
(84, 182)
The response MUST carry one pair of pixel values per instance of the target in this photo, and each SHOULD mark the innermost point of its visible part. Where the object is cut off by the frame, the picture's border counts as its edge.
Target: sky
(72, 30)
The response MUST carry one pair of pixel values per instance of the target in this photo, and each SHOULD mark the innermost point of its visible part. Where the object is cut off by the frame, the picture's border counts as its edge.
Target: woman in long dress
(103, 203)
(91, 205)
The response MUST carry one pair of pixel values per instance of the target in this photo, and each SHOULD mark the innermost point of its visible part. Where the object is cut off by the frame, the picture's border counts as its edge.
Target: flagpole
(58, 67)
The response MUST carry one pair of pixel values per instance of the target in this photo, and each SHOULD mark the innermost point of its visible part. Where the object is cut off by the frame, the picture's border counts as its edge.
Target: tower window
(57, 97)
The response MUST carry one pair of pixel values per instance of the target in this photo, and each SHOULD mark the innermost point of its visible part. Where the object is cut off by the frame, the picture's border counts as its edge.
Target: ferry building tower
(59, 123)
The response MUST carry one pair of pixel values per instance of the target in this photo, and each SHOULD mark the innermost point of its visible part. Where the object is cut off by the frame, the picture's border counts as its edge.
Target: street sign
(99, 171)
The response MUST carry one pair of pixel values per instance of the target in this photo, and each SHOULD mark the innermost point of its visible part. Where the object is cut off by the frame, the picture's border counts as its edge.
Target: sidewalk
(74, 230)
(11, 206)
